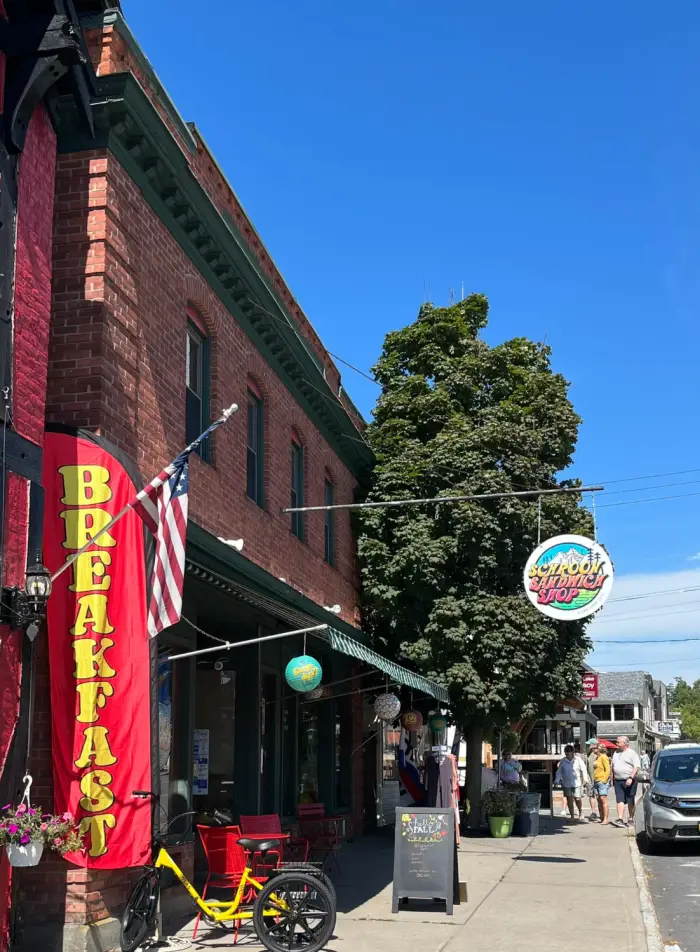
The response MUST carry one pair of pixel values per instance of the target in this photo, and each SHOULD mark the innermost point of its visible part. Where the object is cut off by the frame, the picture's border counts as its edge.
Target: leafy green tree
(443, 584)
(685, 698)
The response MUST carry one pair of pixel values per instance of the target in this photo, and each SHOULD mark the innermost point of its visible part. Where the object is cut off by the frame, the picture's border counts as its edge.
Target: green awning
(352, 648)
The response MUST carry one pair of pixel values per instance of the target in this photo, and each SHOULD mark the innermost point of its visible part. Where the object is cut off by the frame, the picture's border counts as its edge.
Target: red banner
(590, 686)
(98, 653)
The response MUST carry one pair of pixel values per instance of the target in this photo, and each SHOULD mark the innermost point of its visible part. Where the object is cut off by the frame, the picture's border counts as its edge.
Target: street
(673, 874)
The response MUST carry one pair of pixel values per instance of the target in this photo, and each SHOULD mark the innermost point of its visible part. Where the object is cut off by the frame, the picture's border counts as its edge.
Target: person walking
(593, 751)
(601, 783)
(625, 766)
(572, 774)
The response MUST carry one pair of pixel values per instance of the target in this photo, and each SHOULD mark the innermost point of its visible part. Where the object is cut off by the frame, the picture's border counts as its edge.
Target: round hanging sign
(568, 577)
(303, 673)
(387, 707)
(412, 720)
(438, 723)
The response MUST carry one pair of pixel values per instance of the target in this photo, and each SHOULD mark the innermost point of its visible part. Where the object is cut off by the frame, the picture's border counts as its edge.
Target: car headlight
(664, 801)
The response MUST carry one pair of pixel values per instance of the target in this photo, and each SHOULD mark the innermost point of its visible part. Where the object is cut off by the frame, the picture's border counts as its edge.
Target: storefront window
(343, 714)
(213, 735)
(308, 753)
(289, 757)
(174, 743)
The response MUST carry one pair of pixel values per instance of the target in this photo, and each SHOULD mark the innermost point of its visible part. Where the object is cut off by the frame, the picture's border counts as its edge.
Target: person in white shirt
(572, 774)
(625, 766)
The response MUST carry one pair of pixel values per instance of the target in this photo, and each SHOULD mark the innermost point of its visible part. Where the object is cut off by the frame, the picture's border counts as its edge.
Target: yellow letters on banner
(95, 825)
(92, 610)
(91, 663)
(90, 572)
(96, 745)
(98, 796)
(92, 695)
(83, 524)
(85, 485)
(86, 489)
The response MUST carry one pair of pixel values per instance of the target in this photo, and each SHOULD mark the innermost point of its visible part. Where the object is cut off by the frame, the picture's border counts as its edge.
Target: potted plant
(24, 832)
(500, 809)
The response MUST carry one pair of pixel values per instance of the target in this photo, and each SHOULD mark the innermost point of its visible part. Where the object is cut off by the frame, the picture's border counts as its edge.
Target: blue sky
(545, 154)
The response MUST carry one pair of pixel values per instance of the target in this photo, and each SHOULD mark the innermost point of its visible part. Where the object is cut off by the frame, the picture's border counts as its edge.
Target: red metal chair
(320, 830)
(226, 861)
(269, 823)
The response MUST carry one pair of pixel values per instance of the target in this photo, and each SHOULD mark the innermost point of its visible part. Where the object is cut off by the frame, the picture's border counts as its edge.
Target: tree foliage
(685, 698)
(443, 584)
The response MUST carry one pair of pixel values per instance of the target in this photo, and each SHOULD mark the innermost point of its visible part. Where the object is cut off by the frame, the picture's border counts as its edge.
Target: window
(329, 524)
(197, 387)
(256, 434)
(297, 489)
(624, 712)
(601, 711)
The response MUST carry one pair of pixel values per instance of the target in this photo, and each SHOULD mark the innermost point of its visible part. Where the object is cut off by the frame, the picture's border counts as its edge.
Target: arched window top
(254, 388)
(297, 437)
(196, 318)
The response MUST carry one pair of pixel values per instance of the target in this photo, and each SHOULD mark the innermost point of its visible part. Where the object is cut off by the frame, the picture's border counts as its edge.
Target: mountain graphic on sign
(573, 555)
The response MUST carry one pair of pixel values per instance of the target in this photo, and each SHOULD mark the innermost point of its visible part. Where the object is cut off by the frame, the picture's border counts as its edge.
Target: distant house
(634, 704)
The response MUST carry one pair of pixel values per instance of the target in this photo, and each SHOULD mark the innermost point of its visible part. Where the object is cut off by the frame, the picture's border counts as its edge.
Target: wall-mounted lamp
(336, 609)
(27, 608)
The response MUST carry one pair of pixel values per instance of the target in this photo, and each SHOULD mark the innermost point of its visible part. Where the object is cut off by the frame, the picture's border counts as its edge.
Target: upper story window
(197, 383)
(624, 712)
(601, 711)
(329, 523)
(297, 495)
(256, 440)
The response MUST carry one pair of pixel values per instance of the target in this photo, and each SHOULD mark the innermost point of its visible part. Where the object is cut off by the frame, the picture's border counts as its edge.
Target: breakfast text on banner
(98, 653)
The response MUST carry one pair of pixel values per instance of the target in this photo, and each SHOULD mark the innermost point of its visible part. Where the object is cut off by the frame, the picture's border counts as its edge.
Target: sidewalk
(523, 893)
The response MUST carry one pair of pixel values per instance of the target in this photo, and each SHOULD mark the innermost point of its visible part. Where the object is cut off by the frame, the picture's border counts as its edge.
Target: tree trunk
(474, 735)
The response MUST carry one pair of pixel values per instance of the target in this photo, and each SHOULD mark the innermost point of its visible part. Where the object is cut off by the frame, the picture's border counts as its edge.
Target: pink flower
(12, 828)
(57, 841)
(8, 806)
(44, 826)
(26, 838)
(67, 818)
(21, 809)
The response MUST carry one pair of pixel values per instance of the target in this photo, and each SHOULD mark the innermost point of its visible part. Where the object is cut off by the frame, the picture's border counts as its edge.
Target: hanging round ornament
(412, 720)
(387, 707)
(303, 673)
(437, 723)
(318, 693)
(568, 577)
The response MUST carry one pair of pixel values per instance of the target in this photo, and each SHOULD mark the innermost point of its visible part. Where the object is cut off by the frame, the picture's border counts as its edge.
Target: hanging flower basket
(25, 831)
(28, 855)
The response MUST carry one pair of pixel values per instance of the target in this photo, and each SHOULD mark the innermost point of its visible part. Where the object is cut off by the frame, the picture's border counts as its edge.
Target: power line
(645, 489)
(356, 369)
(656, 662)
(632, 479)
(621, 617)
(645, 641)
(636, 502)
(666, 591)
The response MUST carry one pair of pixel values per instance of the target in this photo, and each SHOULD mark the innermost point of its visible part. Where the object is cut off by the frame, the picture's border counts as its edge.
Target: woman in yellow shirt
(601, 783)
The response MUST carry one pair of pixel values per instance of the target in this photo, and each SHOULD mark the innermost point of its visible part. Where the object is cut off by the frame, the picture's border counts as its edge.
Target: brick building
(165, 307)
(30, 84)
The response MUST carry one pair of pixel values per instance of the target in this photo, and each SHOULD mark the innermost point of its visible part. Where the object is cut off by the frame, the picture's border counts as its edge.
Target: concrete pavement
(523, 893)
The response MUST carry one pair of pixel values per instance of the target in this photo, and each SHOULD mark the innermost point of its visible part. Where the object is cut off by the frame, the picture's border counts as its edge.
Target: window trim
(253, 399)
(195, 332)
(297, 487)
(329, 522)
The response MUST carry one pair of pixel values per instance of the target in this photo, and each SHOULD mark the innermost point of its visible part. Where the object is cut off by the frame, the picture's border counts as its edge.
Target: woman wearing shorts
(601, 783)
(572, 774)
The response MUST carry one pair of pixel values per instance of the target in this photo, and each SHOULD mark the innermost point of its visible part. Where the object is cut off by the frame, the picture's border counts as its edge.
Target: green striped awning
(354, 649)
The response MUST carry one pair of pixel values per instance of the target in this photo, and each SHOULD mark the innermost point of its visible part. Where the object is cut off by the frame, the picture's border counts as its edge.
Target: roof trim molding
(129, 126)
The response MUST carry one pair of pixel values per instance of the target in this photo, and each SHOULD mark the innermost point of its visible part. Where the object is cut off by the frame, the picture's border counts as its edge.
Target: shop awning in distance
(348, 646)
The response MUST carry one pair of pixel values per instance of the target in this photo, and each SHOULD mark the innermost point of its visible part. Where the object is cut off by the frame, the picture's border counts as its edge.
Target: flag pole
(122, 512)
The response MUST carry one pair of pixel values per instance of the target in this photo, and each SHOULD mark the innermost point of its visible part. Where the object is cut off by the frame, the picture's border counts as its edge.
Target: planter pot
(501, 826)
(28, 855)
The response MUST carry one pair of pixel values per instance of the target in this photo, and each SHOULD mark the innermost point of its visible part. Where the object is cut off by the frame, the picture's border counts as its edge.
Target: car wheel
(647, 844)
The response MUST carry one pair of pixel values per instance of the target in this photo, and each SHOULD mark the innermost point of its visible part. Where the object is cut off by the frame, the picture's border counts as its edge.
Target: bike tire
(139, 912)
(279, 934)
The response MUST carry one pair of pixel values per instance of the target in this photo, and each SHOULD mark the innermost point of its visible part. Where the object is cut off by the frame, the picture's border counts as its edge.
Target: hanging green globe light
(303, 673)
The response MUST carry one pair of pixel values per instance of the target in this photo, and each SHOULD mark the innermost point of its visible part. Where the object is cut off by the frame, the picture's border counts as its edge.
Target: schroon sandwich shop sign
(568, 577)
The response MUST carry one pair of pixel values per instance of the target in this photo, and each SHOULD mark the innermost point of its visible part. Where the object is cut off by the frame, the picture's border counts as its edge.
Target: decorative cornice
(128, 124)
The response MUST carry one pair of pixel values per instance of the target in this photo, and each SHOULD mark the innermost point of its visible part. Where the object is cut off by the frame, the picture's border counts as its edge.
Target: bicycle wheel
(294, 911)
(139, 912)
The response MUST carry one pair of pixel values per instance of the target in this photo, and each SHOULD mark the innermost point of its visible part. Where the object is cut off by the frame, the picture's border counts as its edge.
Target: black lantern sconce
(27, 608)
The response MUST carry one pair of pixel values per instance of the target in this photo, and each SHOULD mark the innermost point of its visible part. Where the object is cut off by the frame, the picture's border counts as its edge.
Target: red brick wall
(122, 286)
(32, 311)
(110, 53)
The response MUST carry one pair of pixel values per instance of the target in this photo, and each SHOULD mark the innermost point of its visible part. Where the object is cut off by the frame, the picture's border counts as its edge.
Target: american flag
(163, 507)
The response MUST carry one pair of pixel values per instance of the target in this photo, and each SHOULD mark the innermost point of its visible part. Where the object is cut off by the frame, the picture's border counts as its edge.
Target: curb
(651, 926)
